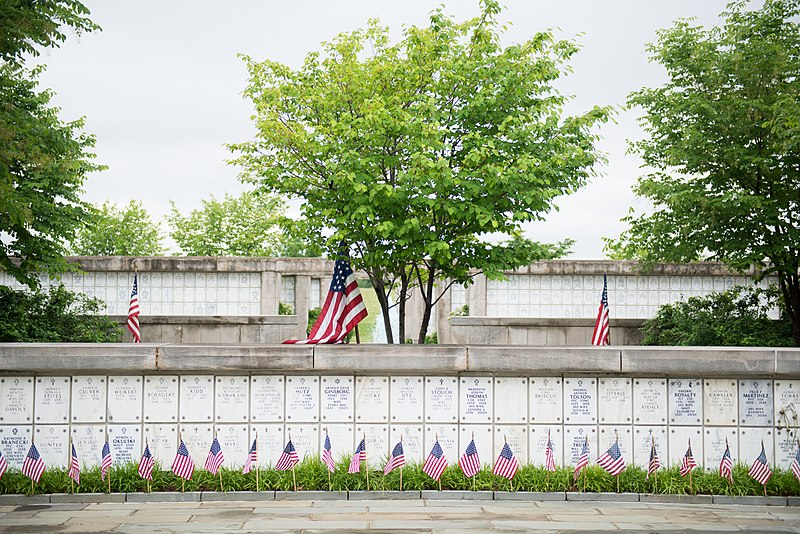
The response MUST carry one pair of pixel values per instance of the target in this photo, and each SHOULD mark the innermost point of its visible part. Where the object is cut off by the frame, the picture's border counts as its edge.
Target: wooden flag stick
(256, 462)
(220, 481)
(765, 489)
(617, 477)
(71, 480)
(366, 461)
(401, 478)
(183, 485)
(691, 490)
(294, 478)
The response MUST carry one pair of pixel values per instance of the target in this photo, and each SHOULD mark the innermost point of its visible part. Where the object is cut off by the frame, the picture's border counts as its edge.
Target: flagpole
(366, 462)
(358, 336)
(510, 481)
(40, 456)
(474, 485)
(547, 468)
(183, 480)
(147, 446)
(256, 462)
(109, 468)
(294, 478)
(401, 467)
(616, 440)
(219, 470)
(655, 473)
(71, 480)
(440, 476)
(330, 487)
(691, 489)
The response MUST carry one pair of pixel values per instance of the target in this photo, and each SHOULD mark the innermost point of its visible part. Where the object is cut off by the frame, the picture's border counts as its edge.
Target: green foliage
(313, 314)
(58, 315)
(432, 339)
(285, 309)
(737, 317)
(115, 231)
(463, 311)
(722, 137)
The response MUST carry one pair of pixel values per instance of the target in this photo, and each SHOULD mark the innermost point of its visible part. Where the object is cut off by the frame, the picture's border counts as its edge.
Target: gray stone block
(679, 499)
(529, 496)
(163, 496)
(750, 500)
(793, 501)
(384, 495)
(699, 361)
(235, 496)
(787, 361)
(350, 357)
(544, 359)
(19, 499)
(434, 495)
(87, 497)
(235, 357)
(603, 497)
(46, 358)
(310, 495)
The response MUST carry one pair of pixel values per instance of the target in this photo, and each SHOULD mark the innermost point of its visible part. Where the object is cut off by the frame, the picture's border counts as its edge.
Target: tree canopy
(119, 231)
(722, 142)
(413, 153)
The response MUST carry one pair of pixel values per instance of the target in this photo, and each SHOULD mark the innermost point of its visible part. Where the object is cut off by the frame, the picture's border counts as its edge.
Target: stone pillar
(443, 315)
(476, 296)
(302, 296)
(270, 292)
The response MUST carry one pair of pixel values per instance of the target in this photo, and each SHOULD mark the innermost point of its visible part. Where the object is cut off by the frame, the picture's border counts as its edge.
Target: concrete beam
(417, 358)
(235, 358)
(698, 361)
(51, 357)
(519, 359)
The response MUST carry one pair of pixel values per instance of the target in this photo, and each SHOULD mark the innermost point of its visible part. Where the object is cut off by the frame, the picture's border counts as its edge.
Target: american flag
(182, 465)
(469, 462)
(601, 334)
(549, 455)
(252, 457)
(74, 467)
(4, 463)
(359, 455)
(146, 464)
(435, 463)
(726, 464)
(105, 462)
(397, 459)
(343, 309)
(327, 457)
(215, 457)
(583, 460)
(655, 462)
(612, 460)
(760, 469)
(688, 463)
(33, 466)
(507, 464)
(133, 311)
(796, 464)
(288, 457)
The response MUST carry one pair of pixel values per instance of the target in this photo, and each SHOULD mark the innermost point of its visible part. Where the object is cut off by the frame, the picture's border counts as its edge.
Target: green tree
(119, 231)
(413, 153)
(722, 140)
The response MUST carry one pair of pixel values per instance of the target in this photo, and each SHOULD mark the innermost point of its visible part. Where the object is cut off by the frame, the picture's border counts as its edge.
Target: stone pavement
(395, 516)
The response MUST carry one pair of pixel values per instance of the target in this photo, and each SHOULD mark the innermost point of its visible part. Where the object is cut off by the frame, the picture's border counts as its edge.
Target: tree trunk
(790, 289)
(427, 298)
(401, 307)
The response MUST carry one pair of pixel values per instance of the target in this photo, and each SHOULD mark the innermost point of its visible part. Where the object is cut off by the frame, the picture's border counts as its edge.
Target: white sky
(161, 87)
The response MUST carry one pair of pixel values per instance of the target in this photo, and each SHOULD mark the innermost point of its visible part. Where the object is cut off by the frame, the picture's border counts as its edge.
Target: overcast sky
(160, 86)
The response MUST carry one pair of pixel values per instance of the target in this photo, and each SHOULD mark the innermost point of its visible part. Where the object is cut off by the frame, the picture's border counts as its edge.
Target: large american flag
(583, 460)
(74, 467)
(343, 309)
(549, 455)
(655, 461)
(796, 464)
(327, 457)
(397, 459)
(602, 334)
(183, 466)
(105, 461)
(360, 455)
(726, 464)
(435, 463)
(760, 469)
(4, 463)
(507, 464)
(612, 460)
(33, 466)
(215, 457)
(252, 457)
(469, 462)
(288, 457)
(133, 311)
(146, 464)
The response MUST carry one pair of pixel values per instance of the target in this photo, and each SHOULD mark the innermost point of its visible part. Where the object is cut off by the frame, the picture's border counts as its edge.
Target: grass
(311, 474)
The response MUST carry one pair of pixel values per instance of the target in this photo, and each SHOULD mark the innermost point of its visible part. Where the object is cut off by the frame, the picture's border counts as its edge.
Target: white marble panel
(537, 444)
(679, 437)
(685, 402)
(302, 399)
(643, 437)
(342, 437)
(337, 394)
(266, 398)
(785, 449)
(607, 435)
(721, 407)
(650, 401)
(88, 441)
(126, 443)
(53, 444)
(484, 442)
(89, 399)
(448, 441)
(15, 442)
(441, 399)
(198, 438)
(305, 439)
(197, 398)
(160, 400)
(16, 399)
(406, 398)
(162, 438)
(372, 399)
(232, 398)
(615, 400)
(545, 399)
(52, 399)
(413, 440)
(714, 446)
(517, 437)
(750, 444)
(476, 399)
(377, 442)
(574, 438)
(787, 399)
(755, 402)
(125, 395)
(270, 443)
(508, 392)
(234, 442)
(580, 400)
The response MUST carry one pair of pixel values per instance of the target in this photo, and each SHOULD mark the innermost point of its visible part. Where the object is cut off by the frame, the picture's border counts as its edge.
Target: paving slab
(751, 500)
(164, 496)
(529, 496)
(677, 499)
(311, 495)
(237, 496)
(603, 497)
(384, 495)
(434, 495)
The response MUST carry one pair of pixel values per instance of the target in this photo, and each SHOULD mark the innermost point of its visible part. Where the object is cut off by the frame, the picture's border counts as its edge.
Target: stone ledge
(236, 496)
(49, 357)
(350, 357)
(18, 499)
(311, 495)
(235, 358)
(675, 499)
(457, 495)
(529, 496)
(529, 360)
(86, 497)
(752, 500)
(699, 361)
(603, 496)
(384, 495)
(163, 496)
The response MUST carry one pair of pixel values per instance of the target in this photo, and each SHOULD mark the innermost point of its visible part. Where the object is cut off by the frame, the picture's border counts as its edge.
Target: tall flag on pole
(146, 464)
(359, 455)
(655, 461)
(396, 460)
(33, 466)
(435, 463)
(726, 464)
(760, 469)
(252, 457)
(4, 463)
(612, 460)
(688, 463)
(469, 462)
(602, 333)
(327, 457)
(507, 464)
(796, 464)
(343, 309)
(105, 461)
(288, 457)
(183, 466)
(583, 460)
(215, 457)
(133, 311)
(74, 466)
(549, 455)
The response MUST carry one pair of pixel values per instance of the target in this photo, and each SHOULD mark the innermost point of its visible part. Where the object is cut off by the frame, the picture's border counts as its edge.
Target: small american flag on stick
(146, 464)
(183, 466)
(360, 455)
(469, 462)
(507, 464)
(327, 457)
(33, 466)
(688, 463)
(583, 460)
(288, 458)
(74, 466)
(105, 462)
(602, 332)
(215, 457)
(397, 459)
(612, 460)
(435, 463)
(760, 469)
(133, 311)
(655, 461)
(726, 464)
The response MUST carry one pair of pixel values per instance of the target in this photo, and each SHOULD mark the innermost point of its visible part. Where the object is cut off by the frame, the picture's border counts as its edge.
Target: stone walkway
(405, 517)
